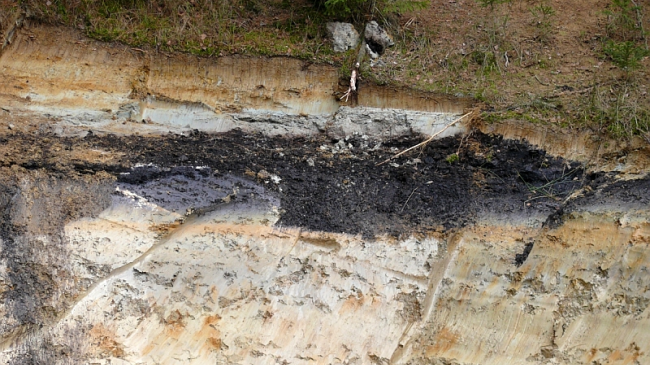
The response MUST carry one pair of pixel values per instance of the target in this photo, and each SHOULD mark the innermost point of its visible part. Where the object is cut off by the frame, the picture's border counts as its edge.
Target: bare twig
(460, 145)
(540, 81)
(427, 141)
(639, 18)
(582, 91)
(407, 200)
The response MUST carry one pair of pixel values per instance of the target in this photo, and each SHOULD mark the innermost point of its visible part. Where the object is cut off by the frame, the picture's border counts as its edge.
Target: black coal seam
(344, 193)
(350, 194)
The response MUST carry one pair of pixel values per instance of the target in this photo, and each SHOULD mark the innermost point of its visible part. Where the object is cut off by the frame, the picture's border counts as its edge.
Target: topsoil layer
(336, 185)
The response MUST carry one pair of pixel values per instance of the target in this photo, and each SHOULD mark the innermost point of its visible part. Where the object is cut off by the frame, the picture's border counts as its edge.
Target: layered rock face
(254, 247)
(190, 266)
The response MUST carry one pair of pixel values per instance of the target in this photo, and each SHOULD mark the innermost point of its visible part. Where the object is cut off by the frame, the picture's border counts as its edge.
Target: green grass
(453, 158)
(422, 57)
(201, 27)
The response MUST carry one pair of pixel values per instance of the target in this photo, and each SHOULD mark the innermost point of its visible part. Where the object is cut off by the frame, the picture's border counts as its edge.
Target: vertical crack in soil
(520, 258)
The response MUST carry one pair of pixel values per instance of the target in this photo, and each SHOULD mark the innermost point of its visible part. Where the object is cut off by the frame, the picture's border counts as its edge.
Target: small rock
(377, 38)
(263, 175)
(11, 126)
(343, 36)
(310, 162)
(373, 55)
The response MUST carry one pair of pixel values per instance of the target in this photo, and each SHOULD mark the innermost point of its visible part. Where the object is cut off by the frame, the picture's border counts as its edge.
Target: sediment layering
(163, 210)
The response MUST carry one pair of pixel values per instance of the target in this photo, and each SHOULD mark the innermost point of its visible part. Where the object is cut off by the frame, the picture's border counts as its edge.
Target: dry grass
(529, 60)
(8, 11)
(201, 27)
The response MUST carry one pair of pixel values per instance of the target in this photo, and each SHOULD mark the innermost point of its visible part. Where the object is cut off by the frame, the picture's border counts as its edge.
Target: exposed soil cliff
(162, 210)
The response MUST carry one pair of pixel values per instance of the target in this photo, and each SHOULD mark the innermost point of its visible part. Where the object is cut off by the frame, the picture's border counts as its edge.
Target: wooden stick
(407, 200)
(427, 141)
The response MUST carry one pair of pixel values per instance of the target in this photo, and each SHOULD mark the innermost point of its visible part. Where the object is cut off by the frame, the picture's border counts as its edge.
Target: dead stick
(407, 200)
(427, 141)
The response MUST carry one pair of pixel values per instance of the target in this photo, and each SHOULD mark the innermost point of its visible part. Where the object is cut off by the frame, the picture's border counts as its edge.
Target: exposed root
(427, 141)
(353, 83)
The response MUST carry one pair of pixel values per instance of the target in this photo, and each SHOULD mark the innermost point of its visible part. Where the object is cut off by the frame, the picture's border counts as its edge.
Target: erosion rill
(162, 209)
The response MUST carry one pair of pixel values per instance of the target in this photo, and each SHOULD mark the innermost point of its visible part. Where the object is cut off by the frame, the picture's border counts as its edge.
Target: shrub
(543, 14)
(357, 10)
(492, 3)
(625, 55)
(623, 20)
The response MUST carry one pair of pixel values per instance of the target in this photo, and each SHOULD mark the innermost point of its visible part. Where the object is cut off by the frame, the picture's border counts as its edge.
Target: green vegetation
(494, 38)
(617, 109)
(625, 55)
(625, 20)
(359, 10)
(620, 108)
(452, 158)
(627, 43)
(201, 27)
(516, 57)
(492, 3)
(543, 14)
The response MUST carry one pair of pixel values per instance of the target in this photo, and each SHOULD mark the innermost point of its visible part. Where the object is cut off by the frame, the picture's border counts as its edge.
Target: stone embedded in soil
(377, 38)
(343, 36)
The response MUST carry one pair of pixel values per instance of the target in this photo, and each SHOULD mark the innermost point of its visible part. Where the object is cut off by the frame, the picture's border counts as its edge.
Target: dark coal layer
(34, 207)
(185, 189)
(336, 186)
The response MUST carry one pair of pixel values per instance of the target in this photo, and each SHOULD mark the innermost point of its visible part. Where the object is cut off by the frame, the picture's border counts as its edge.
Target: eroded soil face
(280, 233)
(133, 232)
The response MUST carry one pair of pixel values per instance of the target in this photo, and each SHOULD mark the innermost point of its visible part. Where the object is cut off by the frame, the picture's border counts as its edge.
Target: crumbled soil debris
(605, 190)
(520, 258)
(336, 185)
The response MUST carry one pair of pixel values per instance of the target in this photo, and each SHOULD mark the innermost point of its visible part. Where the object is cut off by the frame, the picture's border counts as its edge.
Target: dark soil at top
(336, 186)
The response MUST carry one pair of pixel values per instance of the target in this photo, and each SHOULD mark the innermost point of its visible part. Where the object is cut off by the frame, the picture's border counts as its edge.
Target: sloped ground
(543, 62)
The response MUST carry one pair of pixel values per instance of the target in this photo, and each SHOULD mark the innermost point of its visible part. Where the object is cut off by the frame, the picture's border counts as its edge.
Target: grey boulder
(377, 39)
(343, 36)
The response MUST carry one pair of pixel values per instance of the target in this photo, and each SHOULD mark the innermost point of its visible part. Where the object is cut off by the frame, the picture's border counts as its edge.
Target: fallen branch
(407, 200)
(540, 81)
(427, 141)
(582, 91)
